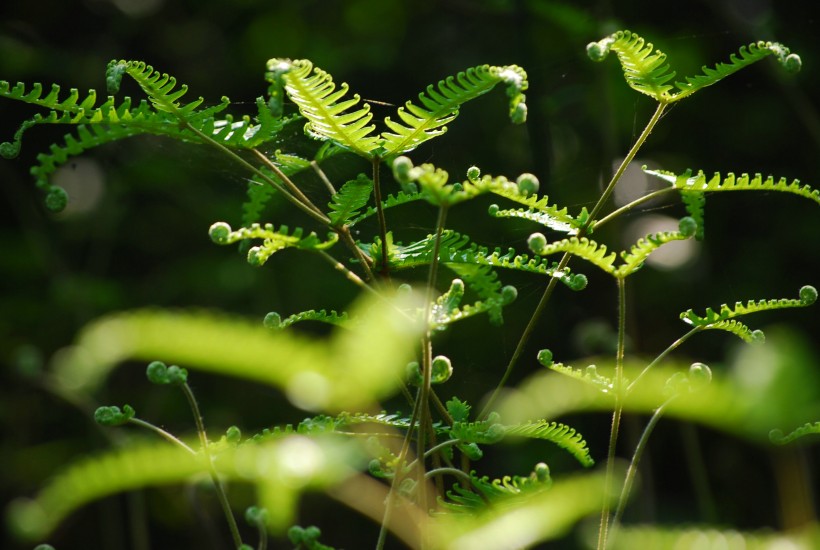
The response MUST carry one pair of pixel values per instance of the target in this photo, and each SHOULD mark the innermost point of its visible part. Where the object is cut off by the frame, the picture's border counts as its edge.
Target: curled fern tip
(808, 295)
(57, 199)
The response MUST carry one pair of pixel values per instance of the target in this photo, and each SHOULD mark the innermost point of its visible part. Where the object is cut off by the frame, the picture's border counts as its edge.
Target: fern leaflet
(645, 70)
(699, 183)
(748, 54)
(778, 438)
(440, 105)
(349, 200)
(807, 297)
(274, 240)
(318, 100)
(560, 434)
(274, 321)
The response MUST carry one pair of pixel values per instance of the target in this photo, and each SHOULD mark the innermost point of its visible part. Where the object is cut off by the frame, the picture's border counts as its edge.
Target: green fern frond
(398, 199)
(748, 54)
(87, 137)
(329, 117)
(274, 320)
(260, 192)
(71, 104)
(645, 70)
(161, 88)
(584, 248)
(777, 437)
(90, 479)
(589, 376)
(273, 240)
(326, 373)
(740, 330)
(699, 183)
(454, 250)
(560, 434)
(629, 538)
(440, 104)
(634, 259)
(486, 492)
(807, 297)
(351, 198)
(695, 204)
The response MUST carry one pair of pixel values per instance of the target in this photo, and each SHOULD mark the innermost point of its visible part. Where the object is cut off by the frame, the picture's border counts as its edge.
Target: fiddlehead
(490, 492)
(778, 438)
(273, 240)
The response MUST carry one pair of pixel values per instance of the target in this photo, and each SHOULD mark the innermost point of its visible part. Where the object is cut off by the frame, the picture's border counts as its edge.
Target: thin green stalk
(162, 433)
(637, 202)
(427, 354)
(665, 352)
(377, 196)
(391, 494)
(451, 471)
(203, 440)
(633, 465)
(542, 303)
(318, 216)
(616, 413)
(292, 187)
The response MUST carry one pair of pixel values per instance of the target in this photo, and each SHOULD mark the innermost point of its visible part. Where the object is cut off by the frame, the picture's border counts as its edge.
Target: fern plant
(416, 472)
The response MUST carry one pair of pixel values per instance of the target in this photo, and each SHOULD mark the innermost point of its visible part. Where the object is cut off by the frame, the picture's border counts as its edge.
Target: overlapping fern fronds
(347, 120)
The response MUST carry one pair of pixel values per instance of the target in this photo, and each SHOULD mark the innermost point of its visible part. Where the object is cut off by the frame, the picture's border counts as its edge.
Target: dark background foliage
(139, 235)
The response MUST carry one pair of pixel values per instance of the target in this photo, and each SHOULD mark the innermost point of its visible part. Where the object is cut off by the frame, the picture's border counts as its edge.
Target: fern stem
(665, 352)
(323, 177)
(377, 196)
(452, 471)
(321, 218)
(565, 259)
(364, 260)
(339, 266)
(616, 414)
(162, 433)
(427, 354)
(656, 116)
(627, 207)
(287, 181)
(391, 494)
(203, 440)
(633, 464)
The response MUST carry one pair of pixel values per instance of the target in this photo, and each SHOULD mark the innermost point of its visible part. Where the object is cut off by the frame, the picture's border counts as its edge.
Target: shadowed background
(136, 233)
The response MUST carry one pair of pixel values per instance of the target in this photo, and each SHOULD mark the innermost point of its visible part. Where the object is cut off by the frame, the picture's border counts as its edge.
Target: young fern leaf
(778, 438)
(440, 105)
(260, 192)
(398, 199)
(274, 321)
(589, 376)
(87, 137)
(748, 54)
(698, 183)
(160, 88)
(560, 434)
(646, 72)
(584, 248)
(711, 319)
(329, 117)
(274, 240)
(486, 492)
(350, 199)
(633, 260)
(93, 478)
